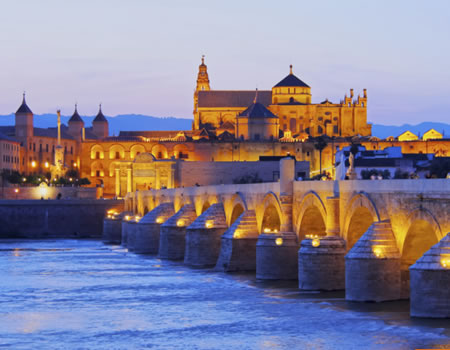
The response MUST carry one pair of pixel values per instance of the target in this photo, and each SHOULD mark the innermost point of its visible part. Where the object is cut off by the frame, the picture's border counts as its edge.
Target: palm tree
(320, 145)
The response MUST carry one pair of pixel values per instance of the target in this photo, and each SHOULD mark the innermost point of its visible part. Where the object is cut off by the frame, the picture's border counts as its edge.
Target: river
(81, 294)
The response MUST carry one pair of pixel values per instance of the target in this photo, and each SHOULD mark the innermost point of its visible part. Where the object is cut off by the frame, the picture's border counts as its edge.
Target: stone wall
(51, 192)
(212, 173)
(54, 218)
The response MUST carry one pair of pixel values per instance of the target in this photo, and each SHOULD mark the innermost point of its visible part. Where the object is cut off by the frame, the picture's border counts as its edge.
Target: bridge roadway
(360, 235)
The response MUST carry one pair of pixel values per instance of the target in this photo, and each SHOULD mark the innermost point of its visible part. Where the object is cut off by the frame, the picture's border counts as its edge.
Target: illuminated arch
(97, 152)
(361, 212)
(117, 152)
(271, 215)
(237, 205)
(181, 151)
(312, 215)
(159, 151)
(136, 150)
(97, 168)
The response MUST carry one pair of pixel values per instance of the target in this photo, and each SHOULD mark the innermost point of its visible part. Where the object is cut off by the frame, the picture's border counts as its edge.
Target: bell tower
(202, 85)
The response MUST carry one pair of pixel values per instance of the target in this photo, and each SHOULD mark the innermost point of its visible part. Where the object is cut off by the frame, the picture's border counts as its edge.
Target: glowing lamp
(315, 242)
(16, 190)
(276, 231)
(33, 164)
(74, 165)
(377, 251)
(267, 230)
(180, 223)
(127, 217)
(209, 224)
(159, 220)
(279, 241)
(24, 179)
(70, 179)
(43, 190)
(46, 164)
(445, 263)
(137, 218)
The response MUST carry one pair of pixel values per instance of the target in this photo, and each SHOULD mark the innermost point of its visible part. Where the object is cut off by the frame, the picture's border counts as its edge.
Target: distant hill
(131, 122)
(138, 122)
(383, 131)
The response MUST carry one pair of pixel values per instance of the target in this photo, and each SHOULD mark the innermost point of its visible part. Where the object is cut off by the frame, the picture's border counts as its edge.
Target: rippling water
(70, 294)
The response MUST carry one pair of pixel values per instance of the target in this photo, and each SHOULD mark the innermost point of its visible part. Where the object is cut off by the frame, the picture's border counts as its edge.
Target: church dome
(291, 81)
(257, 111)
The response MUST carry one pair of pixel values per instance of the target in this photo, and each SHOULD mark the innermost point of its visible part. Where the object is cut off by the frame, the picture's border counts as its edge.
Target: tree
(320, 144)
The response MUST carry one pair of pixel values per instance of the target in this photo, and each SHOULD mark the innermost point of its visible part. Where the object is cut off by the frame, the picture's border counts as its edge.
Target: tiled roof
(4, 137)
(52, 132)
(257, 110)
(291, 80)
(100, 117)
(75, 117)
(232, 98)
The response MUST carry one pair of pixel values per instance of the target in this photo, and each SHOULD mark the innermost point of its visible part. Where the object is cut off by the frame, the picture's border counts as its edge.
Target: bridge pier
(321, 260)
(172, 237)
(148, 228)
(131, 232)
(372, 266)
(126, 223)
(238, 245)
(112, 228)
(430, 281)
(203, 237)
(276, 256)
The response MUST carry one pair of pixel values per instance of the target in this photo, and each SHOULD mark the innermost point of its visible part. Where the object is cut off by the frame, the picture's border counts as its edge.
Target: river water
(80, 294)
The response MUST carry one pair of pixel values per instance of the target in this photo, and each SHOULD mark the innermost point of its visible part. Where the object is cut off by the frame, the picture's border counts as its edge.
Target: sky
(142, 56)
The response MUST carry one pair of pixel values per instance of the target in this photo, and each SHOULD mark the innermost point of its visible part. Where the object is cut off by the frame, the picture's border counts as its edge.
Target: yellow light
(159, 220)
(70, 179)
(74, 165)
(16, 190)
(33, 164)
(127, 217)
(24, 179)
(43, 190)
(377, 251)
(276, 231)
(267, 230)
(180, 223)
(315, 242)
(279, 241)
(137, 218)
(46, 164)
(209, 224)
(445, 263)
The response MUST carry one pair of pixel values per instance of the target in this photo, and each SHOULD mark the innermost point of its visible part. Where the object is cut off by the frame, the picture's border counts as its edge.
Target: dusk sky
(142, 56)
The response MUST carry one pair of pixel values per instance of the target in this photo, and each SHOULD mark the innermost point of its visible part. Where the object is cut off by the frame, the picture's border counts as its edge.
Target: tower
(76, 125)
(24, 123)
(291, 90)
(100, 125)
(202, 85)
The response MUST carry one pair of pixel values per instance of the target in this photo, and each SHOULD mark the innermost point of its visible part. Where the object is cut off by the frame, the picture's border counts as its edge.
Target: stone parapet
(126, 222)
(372, 266)
(203, 237)
(430, 282)
(276, 256)
(321, 263)
(238, 245)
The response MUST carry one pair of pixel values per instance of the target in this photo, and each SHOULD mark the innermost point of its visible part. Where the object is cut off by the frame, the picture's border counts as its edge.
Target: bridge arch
(271, 214)
(423, 232)
(360, 213)
(312, 216)
(236, 206)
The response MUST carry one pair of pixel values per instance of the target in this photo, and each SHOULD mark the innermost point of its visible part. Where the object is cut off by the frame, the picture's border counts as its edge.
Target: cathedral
(228, 127)
(287, 107)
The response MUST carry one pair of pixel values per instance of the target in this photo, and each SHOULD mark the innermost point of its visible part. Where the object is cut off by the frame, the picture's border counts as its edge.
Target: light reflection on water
(73, 294)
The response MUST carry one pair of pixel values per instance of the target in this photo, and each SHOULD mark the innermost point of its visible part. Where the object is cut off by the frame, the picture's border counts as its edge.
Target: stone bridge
(360, 235)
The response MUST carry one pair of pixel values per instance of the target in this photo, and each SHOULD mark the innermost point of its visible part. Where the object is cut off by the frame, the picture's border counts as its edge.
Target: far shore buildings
(229, 126)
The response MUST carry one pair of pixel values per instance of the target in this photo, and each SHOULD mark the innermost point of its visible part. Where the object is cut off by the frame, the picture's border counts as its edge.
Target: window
(34, 147)
(117, 155)
(293, 125)
(46, 147)
(335, 129)
(97, 173)
(320, 118)
(257, 137)
(159, 155)
(362, 104)
(40, 147)
(71, 149)
(319, 129)
(97, 155)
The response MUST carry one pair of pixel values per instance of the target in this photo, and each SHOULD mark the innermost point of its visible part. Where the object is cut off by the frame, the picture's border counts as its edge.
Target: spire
(290, 69)
(256, 96)
(24, 109)
(75, 117)
(202, 77)
(203, 59)
(100, 117)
